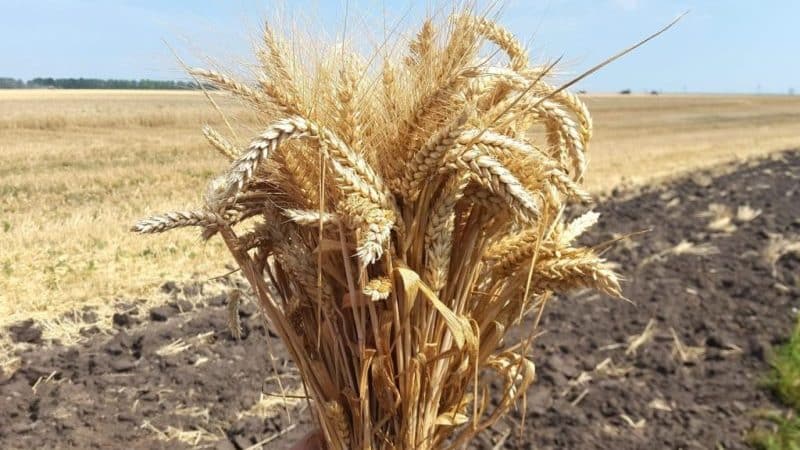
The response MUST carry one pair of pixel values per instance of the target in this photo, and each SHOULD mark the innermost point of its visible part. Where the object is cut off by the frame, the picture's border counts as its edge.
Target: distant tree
(625, 91)
(11, 83)
(41, 82)
(95, 83)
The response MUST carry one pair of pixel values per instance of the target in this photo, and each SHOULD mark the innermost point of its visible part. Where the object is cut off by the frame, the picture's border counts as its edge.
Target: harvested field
(711, 286)
(644, 138)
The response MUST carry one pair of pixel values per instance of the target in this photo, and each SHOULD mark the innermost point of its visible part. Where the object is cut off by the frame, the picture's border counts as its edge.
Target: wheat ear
(501, 37)
(222, 145)
(491, 174)
(439, 233)
(229, 84)
(177, 219)
(355, 173)
(430, 156)
(577, 268)
(279, 85)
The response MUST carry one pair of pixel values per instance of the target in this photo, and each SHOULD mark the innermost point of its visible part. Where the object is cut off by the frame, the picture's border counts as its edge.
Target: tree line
(93, 83)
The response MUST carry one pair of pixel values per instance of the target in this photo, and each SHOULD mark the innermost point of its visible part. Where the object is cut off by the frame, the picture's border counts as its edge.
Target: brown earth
(172, 377)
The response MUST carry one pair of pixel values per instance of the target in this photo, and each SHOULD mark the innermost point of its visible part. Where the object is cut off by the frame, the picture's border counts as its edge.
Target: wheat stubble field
(77, 168)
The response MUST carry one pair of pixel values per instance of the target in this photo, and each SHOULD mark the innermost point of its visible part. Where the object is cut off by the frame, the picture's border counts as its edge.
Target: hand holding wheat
(395, 220)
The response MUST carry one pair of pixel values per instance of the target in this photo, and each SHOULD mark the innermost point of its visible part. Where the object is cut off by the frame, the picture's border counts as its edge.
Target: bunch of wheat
(396, 222)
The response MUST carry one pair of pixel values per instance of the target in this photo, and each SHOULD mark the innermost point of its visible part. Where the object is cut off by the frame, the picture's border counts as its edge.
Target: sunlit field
(639, 138)
(77, 168)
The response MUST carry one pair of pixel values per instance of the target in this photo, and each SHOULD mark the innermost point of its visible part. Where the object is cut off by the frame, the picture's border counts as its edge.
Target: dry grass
(780, 245)
(344, 212)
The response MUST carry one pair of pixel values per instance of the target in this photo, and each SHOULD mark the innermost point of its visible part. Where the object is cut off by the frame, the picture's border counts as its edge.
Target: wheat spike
(276, 80)
(579, 109)
(439, 234)
(177, 219)
(578, 226)
(491, 174)
(216, 140)
(341, 429)
(349, 121)
(503, 39)
(430, 156)
(310, 218)
(570, 133)
(229, 84)
(374, 225)
(421, 46)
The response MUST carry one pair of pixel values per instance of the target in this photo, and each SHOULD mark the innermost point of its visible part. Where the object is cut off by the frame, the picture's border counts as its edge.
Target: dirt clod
(121, 319)
(26, 331)
(162, 313)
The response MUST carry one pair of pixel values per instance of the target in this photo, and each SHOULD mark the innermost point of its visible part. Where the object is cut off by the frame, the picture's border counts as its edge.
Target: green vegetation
(785, 377)
(784, 380)
(785, 436)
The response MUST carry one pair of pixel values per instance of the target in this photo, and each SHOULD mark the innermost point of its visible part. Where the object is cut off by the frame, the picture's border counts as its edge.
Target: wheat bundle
(395, 221)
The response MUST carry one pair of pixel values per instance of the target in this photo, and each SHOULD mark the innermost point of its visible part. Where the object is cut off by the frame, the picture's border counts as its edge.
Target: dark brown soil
(124, 391)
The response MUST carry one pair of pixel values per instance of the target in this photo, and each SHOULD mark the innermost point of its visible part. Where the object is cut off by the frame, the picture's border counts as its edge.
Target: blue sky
(721, 46)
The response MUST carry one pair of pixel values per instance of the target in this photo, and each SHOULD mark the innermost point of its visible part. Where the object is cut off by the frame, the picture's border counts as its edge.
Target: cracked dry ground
(679, 368)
